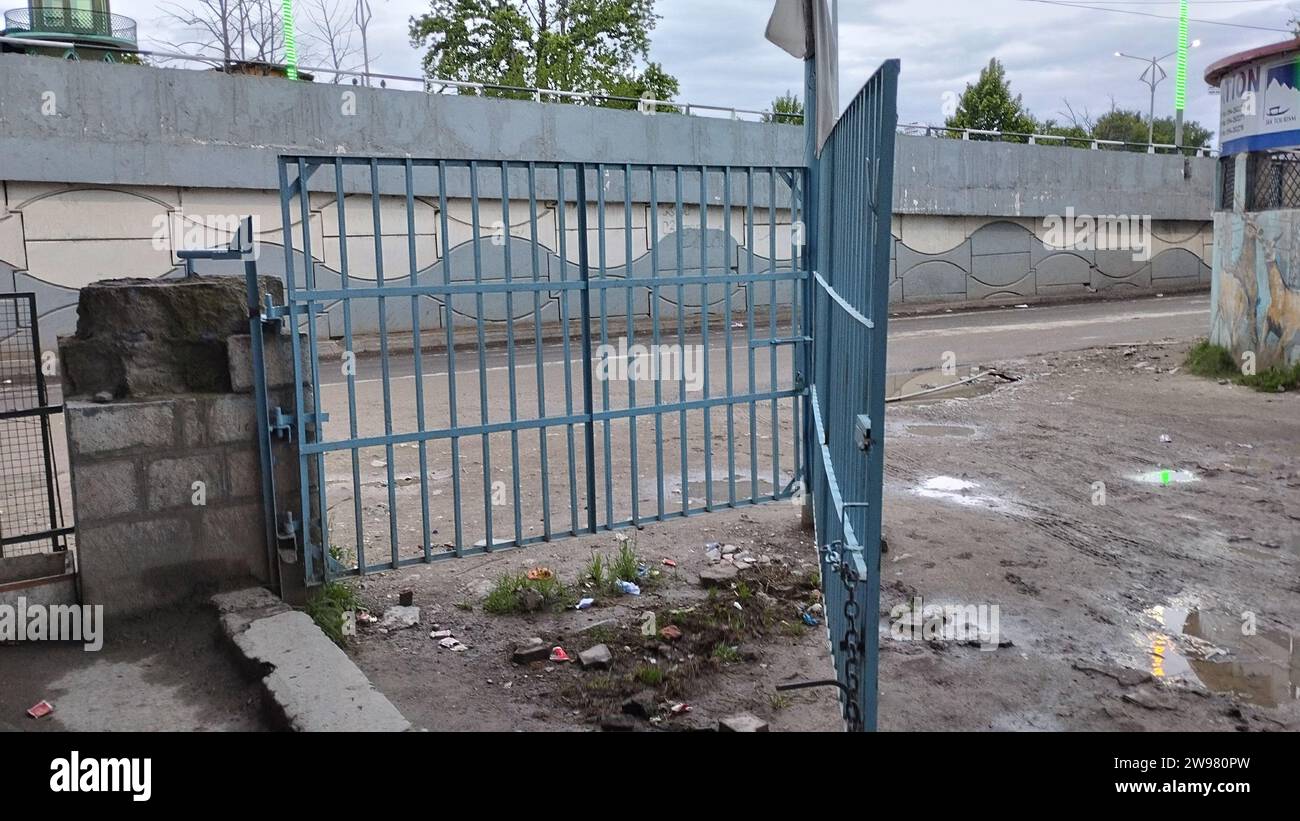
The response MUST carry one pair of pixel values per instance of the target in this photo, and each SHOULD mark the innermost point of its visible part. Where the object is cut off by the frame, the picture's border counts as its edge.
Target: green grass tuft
(506, 596)
(726, 653)
(327, 606)
(1217, 362)
(650, 675)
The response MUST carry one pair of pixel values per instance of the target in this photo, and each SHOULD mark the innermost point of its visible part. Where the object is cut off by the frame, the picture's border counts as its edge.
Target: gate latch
(282, 424)
(862, 431)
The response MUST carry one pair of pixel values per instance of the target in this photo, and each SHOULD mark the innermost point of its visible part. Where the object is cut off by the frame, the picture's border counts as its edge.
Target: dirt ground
(166, 672)
(1161, 601)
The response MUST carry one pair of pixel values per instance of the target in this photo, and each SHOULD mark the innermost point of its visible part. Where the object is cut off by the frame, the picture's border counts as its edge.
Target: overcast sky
(1052, 54)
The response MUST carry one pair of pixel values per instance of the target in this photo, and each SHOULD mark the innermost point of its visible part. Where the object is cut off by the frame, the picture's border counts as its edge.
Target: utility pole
(363, 21)
(1152, 75)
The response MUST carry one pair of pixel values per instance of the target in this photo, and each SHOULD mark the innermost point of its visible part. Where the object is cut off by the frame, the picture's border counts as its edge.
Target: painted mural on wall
(55, 239)
(1255, 299)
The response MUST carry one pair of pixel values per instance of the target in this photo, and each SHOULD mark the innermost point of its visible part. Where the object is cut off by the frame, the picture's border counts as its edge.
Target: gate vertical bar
(584, 270)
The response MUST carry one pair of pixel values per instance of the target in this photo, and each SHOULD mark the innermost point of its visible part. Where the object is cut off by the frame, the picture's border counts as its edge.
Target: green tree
(786, 108)
(987, 104)
(593, 46)
(1131, 126)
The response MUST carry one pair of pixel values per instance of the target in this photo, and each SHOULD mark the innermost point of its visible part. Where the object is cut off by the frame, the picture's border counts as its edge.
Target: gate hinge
(282, 424)
(862, 431)
(274, 313)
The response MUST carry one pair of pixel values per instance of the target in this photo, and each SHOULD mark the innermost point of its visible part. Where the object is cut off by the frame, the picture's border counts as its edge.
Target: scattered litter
(672, 632)
(453, 645)
(669, 563)
(648, 626)
(40, 709)
(816, 609)
(810, 620)
(1023, 305)
(379, 463)
(1166, 438)
(365, 617)
(399, 617)
(438, 635)
(628, 587)
(558, 654)
(406, 598)
(540, 574)
(736, 605)
(712, 546)
(680, 707)
(642, 570)
(583, 604)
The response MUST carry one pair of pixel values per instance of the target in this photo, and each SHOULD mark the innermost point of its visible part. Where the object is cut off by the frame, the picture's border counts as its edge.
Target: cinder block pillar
(163, 442)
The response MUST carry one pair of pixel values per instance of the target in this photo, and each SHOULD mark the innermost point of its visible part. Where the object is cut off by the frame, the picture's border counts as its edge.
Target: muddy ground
(1161, 601)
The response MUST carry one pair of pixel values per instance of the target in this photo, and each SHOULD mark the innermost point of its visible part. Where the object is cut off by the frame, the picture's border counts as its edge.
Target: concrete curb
(309, 684)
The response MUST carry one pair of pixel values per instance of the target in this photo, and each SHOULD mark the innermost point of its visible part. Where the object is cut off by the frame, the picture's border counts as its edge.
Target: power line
(1062, 4)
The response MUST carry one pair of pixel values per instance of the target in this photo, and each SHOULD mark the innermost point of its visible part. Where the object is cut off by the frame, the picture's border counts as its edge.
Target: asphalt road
(919, 342)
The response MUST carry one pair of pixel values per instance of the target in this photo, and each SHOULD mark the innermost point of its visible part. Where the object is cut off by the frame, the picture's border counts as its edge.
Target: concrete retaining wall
(108, 168)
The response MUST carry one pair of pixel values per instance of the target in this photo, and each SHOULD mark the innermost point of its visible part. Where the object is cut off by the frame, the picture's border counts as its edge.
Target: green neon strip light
(1180, 79)
(290, 47)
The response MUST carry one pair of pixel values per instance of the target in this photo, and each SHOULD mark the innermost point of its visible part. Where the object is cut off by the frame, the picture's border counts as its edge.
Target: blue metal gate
(597, 259)
(852, 191)
(472, 267)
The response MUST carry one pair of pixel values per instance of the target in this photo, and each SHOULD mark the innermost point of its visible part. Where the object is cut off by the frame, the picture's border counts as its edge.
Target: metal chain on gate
(850, 643)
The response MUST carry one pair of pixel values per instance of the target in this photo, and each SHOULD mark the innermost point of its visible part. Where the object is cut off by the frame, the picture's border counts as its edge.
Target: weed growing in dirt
(726, 653)
(651, 675)
(603, 574)
(327, 606)
(519, 594)
(625, 564)
(780, 701)
(1217, 362)
(597, 573)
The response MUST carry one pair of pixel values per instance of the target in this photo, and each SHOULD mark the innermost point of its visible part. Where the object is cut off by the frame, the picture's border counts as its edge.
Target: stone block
(95, 429)
(134, 566)
(232, 419)
(106, 489)
(277, 354)
(151, 337)
(171, 481)
(243, 472)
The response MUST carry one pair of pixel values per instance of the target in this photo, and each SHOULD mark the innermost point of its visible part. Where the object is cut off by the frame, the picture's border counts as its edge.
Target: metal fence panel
(852, 186)
(31, 519)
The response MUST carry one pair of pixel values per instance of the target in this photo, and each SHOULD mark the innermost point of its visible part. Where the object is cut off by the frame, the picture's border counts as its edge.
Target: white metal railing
(921, 129)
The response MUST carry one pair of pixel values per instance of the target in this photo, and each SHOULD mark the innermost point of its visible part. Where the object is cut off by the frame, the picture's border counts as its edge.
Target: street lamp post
(1152, 75)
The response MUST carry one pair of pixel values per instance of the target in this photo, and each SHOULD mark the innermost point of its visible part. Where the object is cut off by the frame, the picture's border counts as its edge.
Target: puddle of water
(901, 384)
(697, 486)
(941, 430)
(1210, 649)
(1164, 477)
